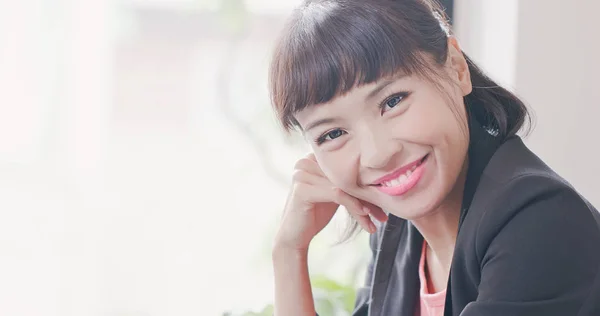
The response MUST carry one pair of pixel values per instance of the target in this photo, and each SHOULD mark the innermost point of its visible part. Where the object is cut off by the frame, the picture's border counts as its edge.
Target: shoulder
(520, 194)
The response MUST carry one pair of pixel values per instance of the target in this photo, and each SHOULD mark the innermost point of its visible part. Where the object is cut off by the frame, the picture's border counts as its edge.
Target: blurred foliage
(234, 16)
(331, 299)
(267, 311)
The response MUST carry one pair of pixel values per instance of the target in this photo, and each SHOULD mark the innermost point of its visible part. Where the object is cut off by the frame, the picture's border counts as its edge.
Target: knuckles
(303, 163)
(298, 175)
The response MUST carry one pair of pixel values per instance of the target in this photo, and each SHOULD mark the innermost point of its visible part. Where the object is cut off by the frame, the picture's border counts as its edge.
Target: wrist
(286, 253)
(285, 244)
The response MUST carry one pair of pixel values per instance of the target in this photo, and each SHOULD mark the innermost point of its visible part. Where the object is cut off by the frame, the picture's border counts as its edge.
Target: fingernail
(385, 218)
(366, 210)
(372, 227)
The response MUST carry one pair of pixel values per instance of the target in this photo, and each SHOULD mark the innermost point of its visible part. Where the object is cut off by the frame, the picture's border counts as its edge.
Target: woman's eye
(331, 135)
(392, 101)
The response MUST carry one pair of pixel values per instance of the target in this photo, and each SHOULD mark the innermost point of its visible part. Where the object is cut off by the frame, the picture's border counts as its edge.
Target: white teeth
(413, 168)
(401, 179)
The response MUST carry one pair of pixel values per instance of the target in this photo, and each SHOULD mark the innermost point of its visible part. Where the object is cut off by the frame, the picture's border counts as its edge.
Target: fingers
(302, 176)
(370, 209)
(376, 212)
(309, 173)
(356, 209)
(310, 165)
(320, 194)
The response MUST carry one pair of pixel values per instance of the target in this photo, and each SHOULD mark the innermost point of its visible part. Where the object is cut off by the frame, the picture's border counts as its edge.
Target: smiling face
(400, 143)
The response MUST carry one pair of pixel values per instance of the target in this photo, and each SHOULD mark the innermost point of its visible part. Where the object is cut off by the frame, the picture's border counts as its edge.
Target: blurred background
(142, 172)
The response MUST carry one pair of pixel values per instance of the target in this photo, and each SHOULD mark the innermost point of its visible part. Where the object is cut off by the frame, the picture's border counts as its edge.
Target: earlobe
(459, 66)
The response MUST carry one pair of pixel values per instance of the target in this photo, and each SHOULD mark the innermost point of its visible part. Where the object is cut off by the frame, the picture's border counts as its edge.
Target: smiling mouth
(402, 177)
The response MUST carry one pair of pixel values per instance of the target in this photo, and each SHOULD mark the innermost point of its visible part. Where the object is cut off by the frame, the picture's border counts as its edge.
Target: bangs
(332, 47)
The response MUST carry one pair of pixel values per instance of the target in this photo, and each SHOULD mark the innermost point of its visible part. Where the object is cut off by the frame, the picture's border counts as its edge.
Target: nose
(378, 149)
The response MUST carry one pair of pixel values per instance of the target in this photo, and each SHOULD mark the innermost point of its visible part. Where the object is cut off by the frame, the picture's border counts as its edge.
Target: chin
(414, 213)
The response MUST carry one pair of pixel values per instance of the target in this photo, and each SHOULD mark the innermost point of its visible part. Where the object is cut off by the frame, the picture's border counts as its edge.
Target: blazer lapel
(483, 145)
(396, 280)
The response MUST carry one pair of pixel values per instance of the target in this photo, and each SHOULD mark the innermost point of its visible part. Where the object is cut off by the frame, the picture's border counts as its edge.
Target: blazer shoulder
(514, 174)
(517, 182)
(513, 162)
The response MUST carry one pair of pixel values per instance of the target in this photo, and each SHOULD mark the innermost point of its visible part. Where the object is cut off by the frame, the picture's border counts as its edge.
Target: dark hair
(330, 46)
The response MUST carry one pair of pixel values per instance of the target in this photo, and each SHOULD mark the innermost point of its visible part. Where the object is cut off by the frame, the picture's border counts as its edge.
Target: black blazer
(527, 244)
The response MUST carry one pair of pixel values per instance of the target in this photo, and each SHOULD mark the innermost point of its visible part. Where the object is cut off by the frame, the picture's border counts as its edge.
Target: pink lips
(407, 184)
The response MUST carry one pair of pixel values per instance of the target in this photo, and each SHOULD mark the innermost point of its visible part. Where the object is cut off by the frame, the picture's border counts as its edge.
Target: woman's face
(399, 143)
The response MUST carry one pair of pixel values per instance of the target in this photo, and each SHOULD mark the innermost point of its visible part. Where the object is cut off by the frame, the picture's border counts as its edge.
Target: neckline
(430, 299)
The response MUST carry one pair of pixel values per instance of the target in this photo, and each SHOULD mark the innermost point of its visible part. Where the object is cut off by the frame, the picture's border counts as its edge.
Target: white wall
(487, 31)
(558, 69)
(548, 52)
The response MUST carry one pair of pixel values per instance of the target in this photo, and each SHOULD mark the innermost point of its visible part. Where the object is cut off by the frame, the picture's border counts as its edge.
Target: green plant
(266, 311)
(331, 299)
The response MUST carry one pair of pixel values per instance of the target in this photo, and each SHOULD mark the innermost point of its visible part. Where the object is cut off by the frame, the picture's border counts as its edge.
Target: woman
(401, 120)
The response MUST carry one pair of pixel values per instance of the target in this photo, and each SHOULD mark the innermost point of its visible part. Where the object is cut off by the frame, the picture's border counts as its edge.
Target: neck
(439, 231)
(440, 227)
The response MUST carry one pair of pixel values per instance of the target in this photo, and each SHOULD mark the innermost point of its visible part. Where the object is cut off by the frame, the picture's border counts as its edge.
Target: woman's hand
(311, 204)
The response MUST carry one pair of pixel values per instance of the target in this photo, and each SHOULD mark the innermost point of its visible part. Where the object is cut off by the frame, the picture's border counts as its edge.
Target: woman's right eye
(331, 135)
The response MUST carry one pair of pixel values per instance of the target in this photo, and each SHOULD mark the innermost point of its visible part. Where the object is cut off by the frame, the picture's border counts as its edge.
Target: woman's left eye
(331, 135)
(392, 101)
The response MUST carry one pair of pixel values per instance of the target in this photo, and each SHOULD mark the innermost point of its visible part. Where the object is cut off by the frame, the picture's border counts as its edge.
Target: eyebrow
(377, 89)
(319, 122)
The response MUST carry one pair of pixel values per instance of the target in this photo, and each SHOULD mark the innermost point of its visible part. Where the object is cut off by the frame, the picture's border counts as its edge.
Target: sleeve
(543, 258)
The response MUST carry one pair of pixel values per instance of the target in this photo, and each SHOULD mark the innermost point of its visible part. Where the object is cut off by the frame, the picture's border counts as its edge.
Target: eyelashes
(393, 101)
(332, 134)
(390, 103)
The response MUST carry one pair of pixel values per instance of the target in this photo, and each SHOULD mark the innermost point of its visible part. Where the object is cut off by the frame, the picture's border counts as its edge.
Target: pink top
(430, 304)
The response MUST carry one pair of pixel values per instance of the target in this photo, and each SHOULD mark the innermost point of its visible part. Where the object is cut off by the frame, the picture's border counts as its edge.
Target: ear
(458, 67)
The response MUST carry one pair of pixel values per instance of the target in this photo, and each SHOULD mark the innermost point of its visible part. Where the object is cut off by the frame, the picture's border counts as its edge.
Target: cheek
(434, 122)
(424, 124)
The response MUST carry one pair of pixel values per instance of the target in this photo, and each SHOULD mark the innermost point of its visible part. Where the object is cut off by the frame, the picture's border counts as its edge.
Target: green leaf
(322, 282)
(325, 307)
(331, 298)
(335, 292)
(269, 310)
